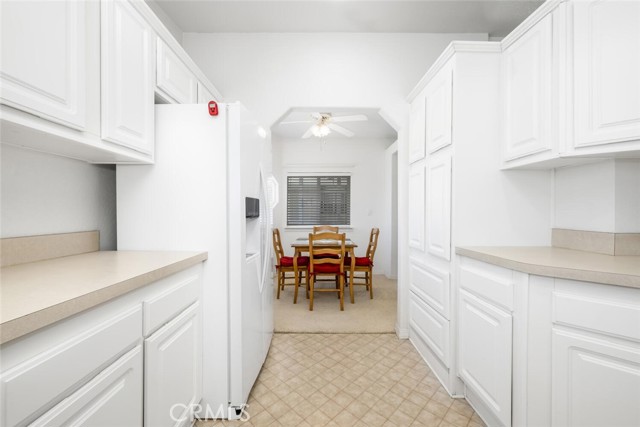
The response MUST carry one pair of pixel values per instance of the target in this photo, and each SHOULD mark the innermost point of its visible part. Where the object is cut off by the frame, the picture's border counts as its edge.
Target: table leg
(351, 268)
(296, 277)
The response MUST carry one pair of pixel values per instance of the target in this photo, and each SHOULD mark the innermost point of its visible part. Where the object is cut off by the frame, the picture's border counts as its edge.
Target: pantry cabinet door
(204, 96)
(417, 148)
(527, 72)
(484, 353)
(174, 80)
(417, 205)
(439, 205)
(438, 112)
(606, 44)
(173, 370)
(128, 77)
(43, 64)
(595, 380)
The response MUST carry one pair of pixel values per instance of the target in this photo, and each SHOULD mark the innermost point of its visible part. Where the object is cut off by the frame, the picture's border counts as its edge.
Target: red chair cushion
(334, 256)
(361, 261)
(326, 268)
(287, 261)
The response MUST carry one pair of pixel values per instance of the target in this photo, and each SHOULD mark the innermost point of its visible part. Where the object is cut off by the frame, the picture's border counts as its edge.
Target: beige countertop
(37, 294)
(561, 263)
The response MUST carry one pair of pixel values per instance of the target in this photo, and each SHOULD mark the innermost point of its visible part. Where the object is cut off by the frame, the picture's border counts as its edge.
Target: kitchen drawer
(432, 286)
(181, 290)
(601, 308)
(42, 380)
(488, 281)
(430, 327)
(112, 398)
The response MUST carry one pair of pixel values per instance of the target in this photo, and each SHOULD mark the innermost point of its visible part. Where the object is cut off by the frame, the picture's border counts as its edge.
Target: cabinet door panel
(432, 285)
(439, 206)
(204, 96)
(112, 398)
(417, 149)
(594, 382)
(173, 78)
(173, 369)
(43, 59)
(606, 68)
(433, 329)
(127, 77)
(416, 206)
(438, 111)
(484, 352)
(527, 75)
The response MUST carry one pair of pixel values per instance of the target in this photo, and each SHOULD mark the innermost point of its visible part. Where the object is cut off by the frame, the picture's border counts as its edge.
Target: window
(318, 200)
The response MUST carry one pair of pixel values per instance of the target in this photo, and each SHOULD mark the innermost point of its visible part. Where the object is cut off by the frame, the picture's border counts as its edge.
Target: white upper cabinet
(417, 149)
(438, 113)
(606, 76)
(43, 65)
(174, 81)
(528, 111)
(439, 205)
(128, 46)
(204, 96)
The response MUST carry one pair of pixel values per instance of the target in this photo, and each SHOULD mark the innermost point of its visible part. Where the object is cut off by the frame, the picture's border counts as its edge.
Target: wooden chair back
(277, 245)
(323, 228)
(318, 254)
(373, 243)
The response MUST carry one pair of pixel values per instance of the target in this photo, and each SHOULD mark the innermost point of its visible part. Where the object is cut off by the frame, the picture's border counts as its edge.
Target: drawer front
(606, 309)
(182, 291)
(430, 327)
(488, 281)
(432, 286)
(112, 398)
(40, 381)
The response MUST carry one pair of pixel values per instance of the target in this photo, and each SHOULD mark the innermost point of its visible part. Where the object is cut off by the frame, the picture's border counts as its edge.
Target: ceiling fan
(324, 123)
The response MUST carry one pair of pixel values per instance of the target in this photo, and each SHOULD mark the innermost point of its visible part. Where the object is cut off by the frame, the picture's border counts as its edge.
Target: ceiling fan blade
(308, 133)
(353, 118)
(340, 129)
(296, 122)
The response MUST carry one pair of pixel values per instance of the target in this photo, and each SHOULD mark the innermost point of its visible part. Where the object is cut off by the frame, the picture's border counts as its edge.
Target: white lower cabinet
(173, 370)
(112, 398)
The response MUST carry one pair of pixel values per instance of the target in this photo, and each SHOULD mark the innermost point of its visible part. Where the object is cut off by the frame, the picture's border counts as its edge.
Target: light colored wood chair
(325, 228)
(364, 265)
(286, 264)
(320, 265)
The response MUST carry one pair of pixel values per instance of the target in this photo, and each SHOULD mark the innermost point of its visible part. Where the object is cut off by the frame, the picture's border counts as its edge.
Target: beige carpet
(365, 316)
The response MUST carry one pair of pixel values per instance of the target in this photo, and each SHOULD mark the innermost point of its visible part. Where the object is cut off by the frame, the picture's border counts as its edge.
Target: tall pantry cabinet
(458, 195)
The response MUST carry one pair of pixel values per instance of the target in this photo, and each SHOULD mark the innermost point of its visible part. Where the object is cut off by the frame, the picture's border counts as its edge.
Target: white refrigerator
(193, 198)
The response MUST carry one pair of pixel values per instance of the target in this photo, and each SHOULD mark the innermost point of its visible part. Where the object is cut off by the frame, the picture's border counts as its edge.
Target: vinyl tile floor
(363, 380)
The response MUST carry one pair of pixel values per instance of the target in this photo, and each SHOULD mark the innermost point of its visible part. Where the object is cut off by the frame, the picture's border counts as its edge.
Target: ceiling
(374, 128)
(496, 17)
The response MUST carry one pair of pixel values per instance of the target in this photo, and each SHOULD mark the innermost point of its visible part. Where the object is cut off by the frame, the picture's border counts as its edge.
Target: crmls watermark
(179, 411)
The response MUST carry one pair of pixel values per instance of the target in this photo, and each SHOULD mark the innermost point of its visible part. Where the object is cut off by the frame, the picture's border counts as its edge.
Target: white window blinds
(318, 200)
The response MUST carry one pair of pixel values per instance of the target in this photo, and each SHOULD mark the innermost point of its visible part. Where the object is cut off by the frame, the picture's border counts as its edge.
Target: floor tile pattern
(362, 380)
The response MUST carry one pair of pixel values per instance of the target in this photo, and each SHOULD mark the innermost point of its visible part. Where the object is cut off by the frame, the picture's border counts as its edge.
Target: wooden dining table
(301, 245)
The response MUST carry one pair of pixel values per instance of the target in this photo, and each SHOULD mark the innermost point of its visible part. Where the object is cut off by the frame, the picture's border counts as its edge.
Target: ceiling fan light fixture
(320, 130)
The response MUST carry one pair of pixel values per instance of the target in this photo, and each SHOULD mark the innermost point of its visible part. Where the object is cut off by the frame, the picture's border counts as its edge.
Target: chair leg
(278, 274)
(306, 282)
(341, 292)
(370, 281)
(311, 293)
(296, 282)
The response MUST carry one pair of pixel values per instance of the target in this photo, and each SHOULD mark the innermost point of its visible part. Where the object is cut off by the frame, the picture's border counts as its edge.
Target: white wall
(271, 73)
(365, 161)
(44, 194)
(601, 196)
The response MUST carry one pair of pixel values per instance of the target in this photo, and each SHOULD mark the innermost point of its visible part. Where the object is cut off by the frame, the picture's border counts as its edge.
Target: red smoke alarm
(213, 108)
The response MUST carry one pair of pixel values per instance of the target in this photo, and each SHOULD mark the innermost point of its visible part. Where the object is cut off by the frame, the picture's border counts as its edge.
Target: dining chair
(285, 264)
(365, 264)
(323, 228)
(320, 265)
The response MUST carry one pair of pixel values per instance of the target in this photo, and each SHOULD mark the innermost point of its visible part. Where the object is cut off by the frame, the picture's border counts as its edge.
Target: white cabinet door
(484, 353)
(417, 149)
(416, 205)
(606, 43)
(595, 380)
(174, 80)
(438, 110)
(43, 64)
(204, 96)
(128, 77)
(527, 74)
(112, 398)
(173, 370)
(439, 205)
